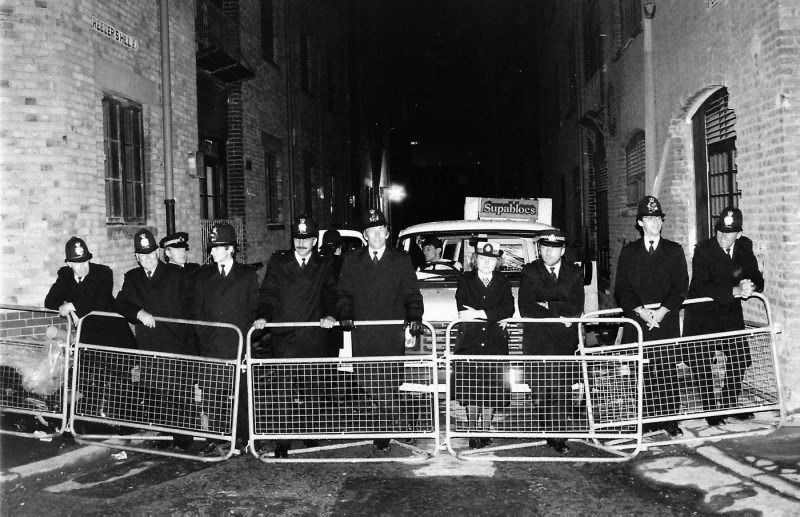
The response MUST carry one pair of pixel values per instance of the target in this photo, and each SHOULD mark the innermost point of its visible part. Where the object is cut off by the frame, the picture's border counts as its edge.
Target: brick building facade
(694, 102)
(83, 131)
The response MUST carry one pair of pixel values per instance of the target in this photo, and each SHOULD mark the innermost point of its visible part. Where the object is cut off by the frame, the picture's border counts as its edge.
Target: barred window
(630, 19)
(635, 168)
(592, 39)
(267, 30)
(715, 160)
(123, 141)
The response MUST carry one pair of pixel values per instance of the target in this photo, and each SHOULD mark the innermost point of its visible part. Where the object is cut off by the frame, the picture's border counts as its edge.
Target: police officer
(652, 270)
(552, 287)
(724, 268)
(379, 283)
(225, 292)
(299, 286)
(82, 287)
(482, 294)
(155, 289)
(176, 249)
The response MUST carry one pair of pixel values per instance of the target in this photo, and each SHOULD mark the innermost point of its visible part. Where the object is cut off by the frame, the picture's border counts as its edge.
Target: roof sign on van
(502, 209)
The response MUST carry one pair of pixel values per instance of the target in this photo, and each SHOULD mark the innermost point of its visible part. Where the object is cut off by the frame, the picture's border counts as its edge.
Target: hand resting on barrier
(347, 325)
(260, 323)
(327, 322)
(146, 318)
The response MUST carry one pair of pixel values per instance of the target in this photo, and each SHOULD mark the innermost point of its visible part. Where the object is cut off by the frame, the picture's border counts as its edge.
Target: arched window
(714, 137)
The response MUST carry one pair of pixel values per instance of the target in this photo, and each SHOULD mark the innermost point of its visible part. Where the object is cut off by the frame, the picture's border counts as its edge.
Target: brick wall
(56, 70)
(751, 49)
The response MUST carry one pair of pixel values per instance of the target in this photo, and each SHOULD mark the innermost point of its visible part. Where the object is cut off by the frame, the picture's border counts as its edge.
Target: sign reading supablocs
(532, 209)
(114, 34)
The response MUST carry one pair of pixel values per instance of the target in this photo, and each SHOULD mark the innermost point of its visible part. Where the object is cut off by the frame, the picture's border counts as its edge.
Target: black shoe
(162, 444)
(743, 416)
(673, 430)
(558, 444)
(282, 450)
(715, 420)
(475, 443)
(182, 442)
(311, 443)
(486, 442)
(408, 441)
(382, 444)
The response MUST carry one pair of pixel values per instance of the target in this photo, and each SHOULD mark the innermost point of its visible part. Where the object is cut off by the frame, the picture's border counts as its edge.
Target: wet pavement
(749, 475)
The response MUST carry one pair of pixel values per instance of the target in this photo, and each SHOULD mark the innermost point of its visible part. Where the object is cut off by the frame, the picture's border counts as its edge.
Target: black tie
(553, 274)
(375, 257)
(149, 275)
(651, 249)
(303, 265)
(728, 253)
(222, 271)
(486, 281)
(80, 279)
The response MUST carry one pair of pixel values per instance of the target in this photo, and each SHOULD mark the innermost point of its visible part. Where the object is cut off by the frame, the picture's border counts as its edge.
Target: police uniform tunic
(93, 293)
(168, 295)
(384, 291)
(229, 299)
(483, 384)
(564, 297)
(290, 292)
(660, 277)
(714, 275)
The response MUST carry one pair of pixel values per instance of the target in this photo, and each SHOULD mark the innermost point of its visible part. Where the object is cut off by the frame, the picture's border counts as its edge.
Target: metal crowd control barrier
(577, 398)
(710, 375)
(169, 394)
(34, 370)
(343, 398)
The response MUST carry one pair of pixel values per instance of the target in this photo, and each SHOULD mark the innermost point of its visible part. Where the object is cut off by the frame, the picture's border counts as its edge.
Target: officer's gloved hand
(347, 325)
(414, 327)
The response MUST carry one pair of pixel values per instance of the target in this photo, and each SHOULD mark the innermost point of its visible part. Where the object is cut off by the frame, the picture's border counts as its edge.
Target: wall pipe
(166, 108)
(649, 11)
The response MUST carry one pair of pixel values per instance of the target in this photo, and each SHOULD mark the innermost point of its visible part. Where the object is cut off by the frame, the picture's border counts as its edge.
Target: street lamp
(394, 193)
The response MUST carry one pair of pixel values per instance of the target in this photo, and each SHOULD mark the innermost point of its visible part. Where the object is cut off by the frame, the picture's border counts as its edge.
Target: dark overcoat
(497, 301)
(292, 293)
(658, 278)
(94, 293)
(229, 299)
(564, 297)
(714, 275)
(386, 291)
(167, 294)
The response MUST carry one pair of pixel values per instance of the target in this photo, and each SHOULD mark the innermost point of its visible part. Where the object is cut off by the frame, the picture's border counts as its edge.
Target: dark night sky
(445, 62)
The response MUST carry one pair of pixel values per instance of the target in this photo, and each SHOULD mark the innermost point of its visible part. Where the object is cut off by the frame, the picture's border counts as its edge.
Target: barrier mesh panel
(543, 395)
(31, 376)
(381, 396)
(137, 387)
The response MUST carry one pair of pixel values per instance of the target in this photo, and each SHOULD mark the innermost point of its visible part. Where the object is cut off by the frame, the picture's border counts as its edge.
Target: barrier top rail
(584, 320)
(356, 324)
(618, 310)
(169, 320)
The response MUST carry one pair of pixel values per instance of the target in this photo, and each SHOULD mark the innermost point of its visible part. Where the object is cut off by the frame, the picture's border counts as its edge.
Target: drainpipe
(649, 11)
(166, 107)
(287, 39)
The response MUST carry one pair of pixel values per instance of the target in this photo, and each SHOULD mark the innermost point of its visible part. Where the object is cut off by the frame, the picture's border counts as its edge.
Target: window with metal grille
(272, 197)
(267, 30)
(634, 168)
(715, 160)
(592, 40)
(630, 20)
(123, 140)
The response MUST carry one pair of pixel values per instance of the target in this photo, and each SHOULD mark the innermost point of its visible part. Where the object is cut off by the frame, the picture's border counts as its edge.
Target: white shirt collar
(380, 252)
(556, 267)
(227, 263)
(300, 259)
(655, 242)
